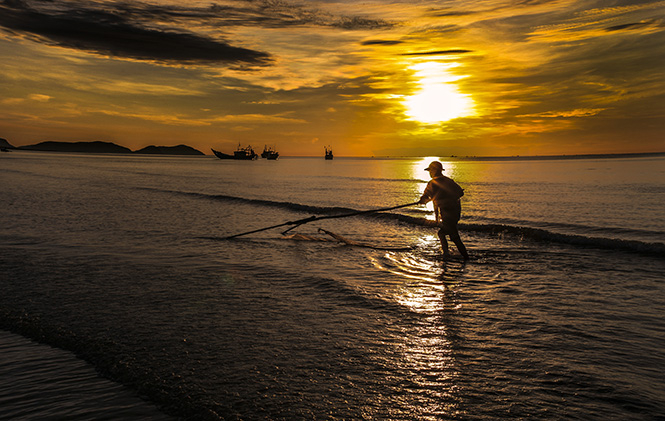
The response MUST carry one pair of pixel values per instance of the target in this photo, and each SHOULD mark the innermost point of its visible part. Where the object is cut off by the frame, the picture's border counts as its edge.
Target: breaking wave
(516, 230)
(538, 234)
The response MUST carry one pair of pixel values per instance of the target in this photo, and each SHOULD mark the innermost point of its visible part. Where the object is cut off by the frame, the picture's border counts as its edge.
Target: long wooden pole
(319, 218)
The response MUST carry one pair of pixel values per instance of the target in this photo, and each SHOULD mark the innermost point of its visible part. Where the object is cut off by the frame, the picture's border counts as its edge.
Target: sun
(438, 98)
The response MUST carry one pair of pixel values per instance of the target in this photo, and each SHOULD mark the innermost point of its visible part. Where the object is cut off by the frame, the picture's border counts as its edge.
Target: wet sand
(41, 382)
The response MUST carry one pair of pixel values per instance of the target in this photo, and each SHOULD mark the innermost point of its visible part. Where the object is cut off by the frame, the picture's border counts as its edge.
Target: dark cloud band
(438, 53)
(628, 26)
(162, 33)
(112, 33)
(382, 42)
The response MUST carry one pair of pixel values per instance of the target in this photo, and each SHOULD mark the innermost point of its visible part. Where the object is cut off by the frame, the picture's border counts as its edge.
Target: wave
(374, 179)
(517, 231)
(538, 234)
(592, 230)
(320, 210)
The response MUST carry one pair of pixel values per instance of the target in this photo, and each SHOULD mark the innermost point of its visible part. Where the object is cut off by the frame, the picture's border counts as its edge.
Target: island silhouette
(108, 147)
(102, 147)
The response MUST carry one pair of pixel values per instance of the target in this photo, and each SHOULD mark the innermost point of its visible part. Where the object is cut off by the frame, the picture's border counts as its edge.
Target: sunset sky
(369, 78)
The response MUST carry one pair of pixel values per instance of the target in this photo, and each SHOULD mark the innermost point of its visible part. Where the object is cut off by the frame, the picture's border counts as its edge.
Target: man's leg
(444, 242)
(454, 236)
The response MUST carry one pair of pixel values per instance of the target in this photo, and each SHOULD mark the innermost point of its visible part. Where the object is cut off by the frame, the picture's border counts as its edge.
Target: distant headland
(102, 147)
(108, 147)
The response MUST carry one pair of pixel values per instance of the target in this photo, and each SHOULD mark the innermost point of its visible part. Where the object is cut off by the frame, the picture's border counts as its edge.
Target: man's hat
(435, 165)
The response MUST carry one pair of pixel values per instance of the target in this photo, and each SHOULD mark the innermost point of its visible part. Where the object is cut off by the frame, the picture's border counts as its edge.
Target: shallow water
(41, 382)
(558, 314)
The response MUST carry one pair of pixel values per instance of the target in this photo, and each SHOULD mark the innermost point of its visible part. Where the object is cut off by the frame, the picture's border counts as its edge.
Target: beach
(42, 382)
(119, 267)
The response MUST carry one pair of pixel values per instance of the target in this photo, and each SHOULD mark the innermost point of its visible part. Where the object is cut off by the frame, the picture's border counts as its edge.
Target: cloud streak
(439, 53)
(163, 33)
(115, 33)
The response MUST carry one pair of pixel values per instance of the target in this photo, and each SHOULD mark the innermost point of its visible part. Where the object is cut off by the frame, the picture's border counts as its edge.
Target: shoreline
(386, 157)
(38, 381)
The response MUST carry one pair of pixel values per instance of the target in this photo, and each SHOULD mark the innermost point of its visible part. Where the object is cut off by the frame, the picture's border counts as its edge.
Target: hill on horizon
(95, 147)
(103, 147)
(5, 144)
(169, 150)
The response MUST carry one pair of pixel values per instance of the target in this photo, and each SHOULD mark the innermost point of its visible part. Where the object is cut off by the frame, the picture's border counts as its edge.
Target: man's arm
(427, 194)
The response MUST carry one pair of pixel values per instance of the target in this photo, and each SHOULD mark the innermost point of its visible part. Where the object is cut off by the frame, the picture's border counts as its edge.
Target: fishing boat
(244, 154)
(221, 155)
(269, 153)
(329, 153)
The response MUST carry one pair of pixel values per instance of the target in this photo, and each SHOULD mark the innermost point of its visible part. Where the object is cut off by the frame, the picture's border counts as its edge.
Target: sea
(123, 298)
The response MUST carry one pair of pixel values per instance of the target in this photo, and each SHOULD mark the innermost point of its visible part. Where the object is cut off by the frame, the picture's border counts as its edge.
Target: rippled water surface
(558, 314)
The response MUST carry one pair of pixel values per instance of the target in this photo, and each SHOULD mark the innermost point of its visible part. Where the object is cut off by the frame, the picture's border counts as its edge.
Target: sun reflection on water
(426, 279)
(425, 348)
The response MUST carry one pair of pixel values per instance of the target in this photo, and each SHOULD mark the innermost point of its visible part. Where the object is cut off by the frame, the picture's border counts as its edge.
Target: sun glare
(438, 98)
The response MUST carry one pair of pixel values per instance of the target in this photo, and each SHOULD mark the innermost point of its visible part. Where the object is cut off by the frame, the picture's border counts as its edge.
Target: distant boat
(329, 153)
(242, 154)
(269, 153)
(221, 155)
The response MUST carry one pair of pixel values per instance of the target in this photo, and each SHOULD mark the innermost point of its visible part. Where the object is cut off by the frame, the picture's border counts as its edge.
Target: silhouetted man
(445, 194)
